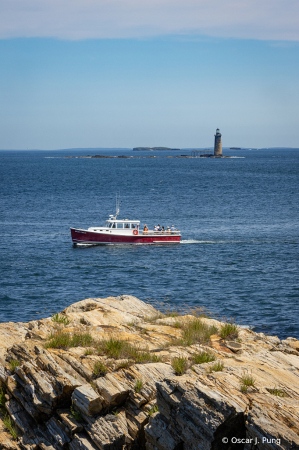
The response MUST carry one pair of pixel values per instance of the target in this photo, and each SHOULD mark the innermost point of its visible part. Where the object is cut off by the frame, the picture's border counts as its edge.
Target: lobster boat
(123, 231)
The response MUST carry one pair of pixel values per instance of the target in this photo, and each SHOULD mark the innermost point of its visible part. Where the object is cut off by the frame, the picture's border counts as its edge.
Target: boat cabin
(125, 223)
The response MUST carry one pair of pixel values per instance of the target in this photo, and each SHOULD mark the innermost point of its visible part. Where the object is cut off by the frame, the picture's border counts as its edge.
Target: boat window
(120, 225)
(114, 225)
(133, 225)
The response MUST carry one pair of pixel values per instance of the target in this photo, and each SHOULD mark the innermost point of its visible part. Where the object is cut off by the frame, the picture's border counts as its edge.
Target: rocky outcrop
(101, 375)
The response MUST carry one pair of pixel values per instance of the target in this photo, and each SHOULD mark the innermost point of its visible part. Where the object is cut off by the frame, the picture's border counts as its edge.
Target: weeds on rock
(138, 386)
(117, 349)
(203, 357)
(277, 392)
(64, 340)
(195, 331)
(88, 352)
(229, 330)
(217, 367)
(76, 414)
(156, 358)
(153, 410)
(246, 381)
(13, 363)
(99, 369)
(10, 426)
(2, 399)
(179, 365)
(60, 318)
(123, 365)
(154, 318)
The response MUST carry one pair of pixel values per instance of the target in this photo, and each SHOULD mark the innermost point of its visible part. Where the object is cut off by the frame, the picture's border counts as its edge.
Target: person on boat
(168, 230)
(145, 229)
(163, 230)
(159, 228)
(172, 228)
(127, 226)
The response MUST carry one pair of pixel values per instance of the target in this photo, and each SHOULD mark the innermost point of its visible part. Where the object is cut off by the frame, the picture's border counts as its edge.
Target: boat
(123, 231)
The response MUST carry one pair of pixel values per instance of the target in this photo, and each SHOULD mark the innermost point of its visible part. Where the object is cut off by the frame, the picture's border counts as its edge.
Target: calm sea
(238, 218)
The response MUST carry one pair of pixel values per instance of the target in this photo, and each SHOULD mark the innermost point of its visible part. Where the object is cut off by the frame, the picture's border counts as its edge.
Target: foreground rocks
(82, 398)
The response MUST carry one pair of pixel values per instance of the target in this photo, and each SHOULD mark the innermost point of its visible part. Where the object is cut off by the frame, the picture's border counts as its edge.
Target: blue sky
(120, 86)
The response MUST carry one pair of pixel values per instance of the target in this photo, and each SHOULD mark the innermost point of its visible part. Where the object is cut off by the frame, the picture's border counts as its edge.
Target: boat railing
(159, 233)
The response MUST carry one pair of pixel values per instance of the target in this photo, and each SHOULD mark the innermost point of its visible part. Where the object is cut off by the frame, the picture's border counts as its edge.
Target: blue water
(238, 218)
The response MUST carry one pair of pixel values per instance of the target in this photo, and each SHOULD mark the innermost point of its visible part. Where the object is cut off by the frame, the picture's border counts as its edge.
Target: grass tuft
(179, 365)
(117, 349)
(277, 392)
(99, 369)
(76, 414)
(2, 398)
(217, 367)
(64, 340)
(247, 380)
(60, 318)
(123, 365)
(88, 352)
(196, 331)
(153, 410)
(203, 357)
(13, 363)
(229, 330)
(10, 426)
(138, 386)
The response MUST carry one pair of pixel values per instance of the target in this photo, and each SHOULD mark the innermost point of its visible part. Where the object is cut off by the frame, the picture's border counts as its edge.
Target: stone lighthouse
(218, 145)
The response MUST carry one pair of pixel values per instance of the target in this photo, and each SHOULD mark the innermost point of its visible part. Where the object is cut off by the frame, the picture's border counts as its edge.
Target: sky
(128, 73)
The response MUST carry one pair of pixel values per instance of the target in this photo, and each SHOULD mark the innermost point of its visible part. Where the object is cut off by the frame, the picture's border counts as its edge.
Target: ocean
(238, 217)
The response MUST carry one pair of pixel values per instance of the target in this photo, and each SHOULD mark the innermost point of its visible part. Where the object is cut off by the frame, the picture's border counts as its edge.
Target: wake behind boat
(124, 231)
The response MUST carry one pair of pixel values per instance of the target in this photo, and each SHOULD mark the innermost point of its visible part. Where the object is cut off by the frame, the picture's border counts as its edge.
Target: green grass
(99, 369)
(154, 318)
(177, 324)
(88, 352)
(2, 398)
(59, 318)
(13, 363)
(123, 365)
(247, 380)
(203, 357)
(64, 340)
(243, 388)
(179, 365)
(156, 358)
(76, 414)
(229, 330)
(195, 331)
(277, 392)
(114, 348)
(153, 410)
(217, 367)
(10, 426)
(138, 386)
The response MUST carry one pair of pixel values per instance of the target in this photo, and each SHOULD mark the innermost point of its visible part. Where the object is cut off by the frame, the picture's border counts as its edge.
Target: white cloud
(85, 19)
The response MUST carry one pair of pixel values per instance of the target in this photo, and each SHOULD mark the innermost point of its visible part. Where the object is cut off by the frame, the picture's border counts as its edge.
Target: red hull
(88, 237)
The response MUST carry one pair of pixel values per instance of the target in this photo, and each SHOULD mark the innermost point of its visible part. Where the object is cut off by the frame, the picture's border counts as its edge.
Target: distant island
(235, 148)
(152, 149)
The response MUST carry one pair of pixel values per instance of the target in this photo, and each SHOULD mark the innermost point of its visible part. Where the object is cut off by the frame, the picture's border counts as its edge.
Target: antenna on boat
(118, 203)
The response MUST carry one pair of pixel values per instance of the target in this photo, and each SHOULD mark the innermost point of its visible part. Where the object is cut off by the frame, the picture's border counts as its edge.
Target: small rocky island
(153, 149)
(116, 373)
